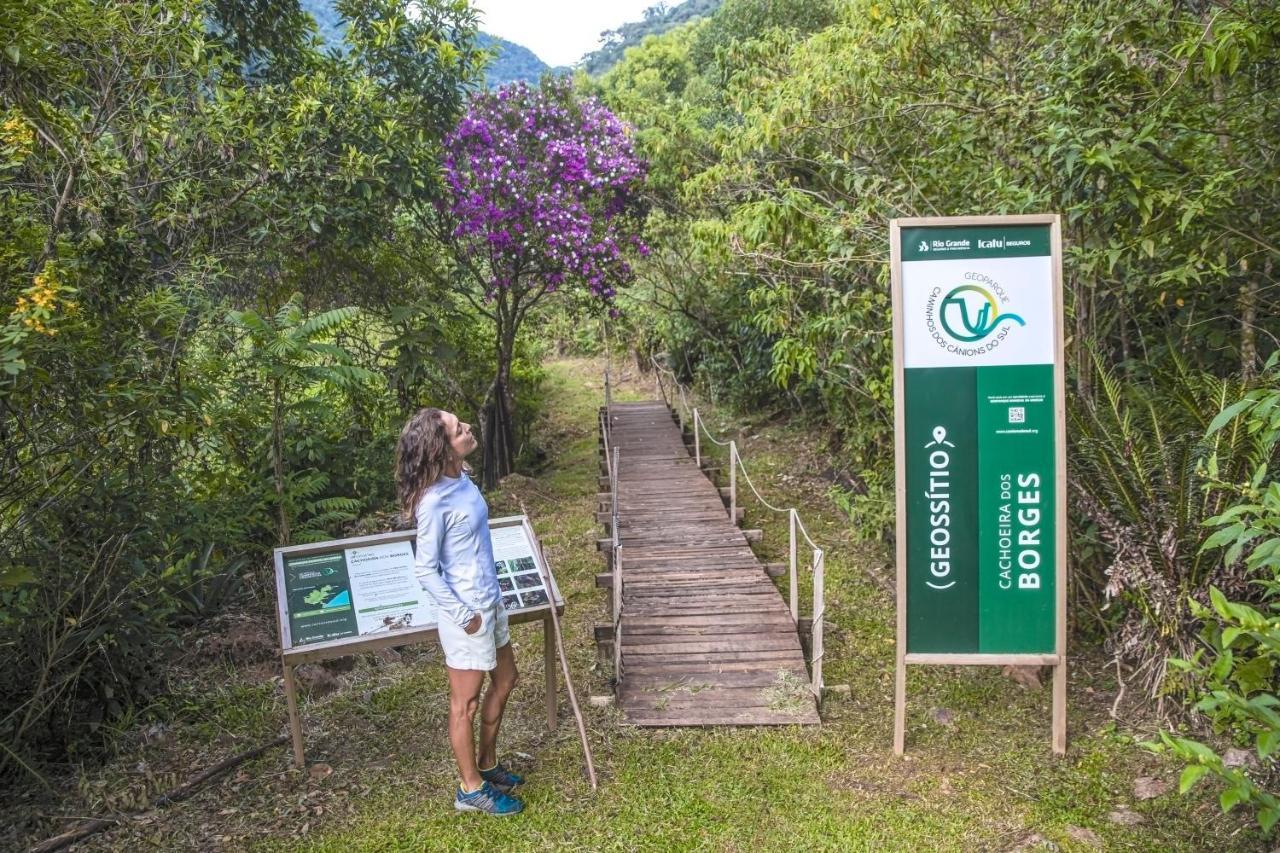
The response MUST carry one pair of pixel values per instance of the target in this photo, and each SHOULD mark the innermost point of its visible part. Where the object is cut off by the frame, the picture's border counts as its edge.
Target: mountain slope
(512, 61)
(658, 19)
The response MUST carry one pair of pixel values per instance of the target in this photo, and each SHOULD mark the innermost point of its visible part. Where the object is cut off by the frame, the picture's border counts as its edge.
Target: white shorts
(478, 650)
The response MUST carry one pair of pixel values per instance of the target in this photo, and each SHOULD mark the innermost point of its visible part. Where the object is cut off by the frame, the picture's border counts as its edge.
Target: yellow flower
(16, 135)
(37, 305)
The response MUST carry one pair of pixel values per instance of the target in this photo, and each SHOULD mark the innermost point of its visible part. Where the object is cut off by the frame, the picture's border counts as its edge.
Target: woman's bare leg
(502, 680)
(464, 701)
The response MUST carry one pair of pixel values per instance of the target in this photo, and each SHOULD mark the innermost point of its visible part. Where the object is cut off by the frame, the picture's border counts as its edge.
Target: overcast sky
(558, 31)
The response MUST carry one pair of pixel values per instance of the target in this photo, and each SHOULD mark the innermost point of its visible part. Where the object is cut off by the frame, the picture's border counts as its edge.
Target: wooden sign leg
(900, 708)
(295, 719)
(1060, 707)
(549, 664)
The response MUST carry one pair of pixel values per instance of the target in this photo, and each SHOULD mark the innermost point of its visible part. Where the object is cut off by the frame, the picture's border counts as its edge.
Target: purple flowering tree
(542, 192)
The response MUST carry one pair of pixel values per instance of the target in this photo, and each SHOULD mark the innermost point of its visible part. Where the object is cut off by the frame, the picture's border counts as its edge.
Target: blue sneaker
(488, 800)
(501, 778)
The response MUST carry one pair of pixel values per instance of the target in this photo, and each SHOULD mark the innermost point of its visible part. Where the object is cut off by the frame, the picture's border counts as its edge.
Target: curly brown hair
(422, 454)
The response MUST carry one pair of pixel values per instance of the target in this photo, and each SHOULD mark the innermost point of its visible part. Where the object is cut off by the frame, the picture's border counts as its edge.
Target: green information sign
(319, 598)
(979, 340)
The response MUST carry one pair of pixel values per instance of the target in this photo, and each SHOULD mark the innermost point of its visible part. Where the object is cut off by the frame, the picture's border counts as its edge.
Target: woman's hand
(474, 625)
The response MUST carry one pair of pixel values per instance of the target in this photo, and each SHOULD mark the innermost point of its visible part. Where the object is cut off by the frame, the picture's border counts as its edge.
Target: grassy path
(978, 775)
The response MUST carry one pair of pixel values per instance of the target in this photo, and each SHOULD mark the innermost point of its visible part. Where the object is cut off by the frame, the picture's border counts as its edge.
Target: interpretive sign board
(980, 434)
(355, 595)
(521, 581)
(356, 591)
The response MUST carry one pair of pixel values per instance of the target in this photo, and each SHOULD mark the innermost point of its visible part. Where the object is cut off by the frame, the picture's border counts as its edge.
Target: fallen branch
(92, 826)
(1115, 706)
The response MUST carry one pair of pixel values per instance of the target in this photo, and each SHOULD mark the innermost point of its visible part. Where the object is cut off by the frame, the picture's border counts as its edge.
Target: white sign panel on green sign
(979, 312)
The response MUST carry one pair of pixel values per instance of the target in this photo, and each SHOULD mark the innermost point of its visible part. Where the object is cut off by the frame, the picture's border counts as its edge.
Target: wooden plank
(685, 665)
(641, 623)
(941, 659)
(741, 632)
(660, 645)
(649, 680)
(756, 657)
(719, 717)
(677, 596)
(696, 608)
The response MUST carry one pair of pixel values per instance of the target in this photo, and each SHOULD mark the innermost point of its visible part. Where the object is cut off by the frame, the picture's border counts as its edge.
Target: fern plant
(1139, 484)
(1234, 670)
(294, 355)
(317, 515)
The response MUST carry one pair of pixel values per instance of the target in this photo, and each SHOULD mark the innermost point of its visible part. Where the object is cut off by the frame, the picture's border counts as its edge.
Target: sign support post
(295, 719)
(980, 448)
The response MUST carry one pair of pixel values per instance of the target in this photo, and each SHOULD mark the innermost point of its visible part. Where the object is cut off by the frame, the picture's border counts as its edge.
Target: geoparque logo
(970, 314)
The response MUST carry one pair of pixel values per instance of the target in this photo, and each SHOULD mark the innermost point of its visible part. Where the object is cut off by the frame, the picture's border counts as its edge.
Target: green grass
(986, 780)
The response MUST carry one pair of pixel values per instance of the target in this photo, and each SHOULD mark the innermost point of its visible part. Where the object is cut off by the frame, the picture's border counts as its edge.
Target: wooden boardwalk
(706, 638)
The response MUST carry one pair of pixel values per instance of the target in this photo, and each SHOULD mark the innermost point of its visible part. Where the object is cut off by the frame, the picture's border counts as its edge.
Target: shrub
(1235, 667)
(1139, 488)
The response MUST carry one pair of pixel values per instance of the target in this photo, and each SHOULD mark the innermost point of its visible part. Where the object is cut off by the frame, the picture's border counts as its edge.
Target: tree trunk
(1084, 367)
(1248, 319)
(277, 459)
(497, 417)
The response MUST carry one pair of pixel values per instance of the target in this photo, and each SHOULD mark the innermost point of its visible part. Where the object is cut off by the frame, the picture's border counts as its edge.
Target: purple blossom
(541, 183)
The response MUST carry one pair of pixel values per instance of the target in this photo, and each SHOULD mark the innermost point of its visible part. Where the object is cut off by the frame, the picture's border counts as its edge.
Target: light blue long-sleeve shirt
(454, 554)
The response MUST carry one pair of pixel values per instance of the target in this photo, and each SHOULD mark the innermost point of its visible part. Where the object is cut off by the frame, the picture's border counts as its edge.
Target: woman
(454, 564)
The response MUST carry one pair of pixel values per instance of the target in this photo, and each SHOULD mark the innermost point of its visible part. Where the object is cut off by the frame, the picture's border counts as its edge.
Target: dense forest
(226, 286)
(232, 262)
(782, 137)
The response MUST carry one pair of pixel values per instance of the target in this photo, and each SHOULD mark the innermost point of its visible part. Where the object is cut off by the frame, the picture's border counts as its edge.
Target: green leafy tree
(162, 164)
(291, 354)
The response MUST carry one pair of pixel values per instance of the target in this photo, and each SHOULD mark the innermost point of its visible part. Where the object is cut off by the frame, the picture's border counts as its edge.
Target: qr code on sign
(1017, 414)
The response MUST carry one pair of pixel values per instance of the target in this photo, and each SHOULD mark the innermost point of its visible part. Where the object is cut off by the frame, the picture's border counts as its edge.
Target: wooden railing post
(617, 617)
(697, 441)
(733, 483)
(613, 493)
(819, 608)
(793, 579)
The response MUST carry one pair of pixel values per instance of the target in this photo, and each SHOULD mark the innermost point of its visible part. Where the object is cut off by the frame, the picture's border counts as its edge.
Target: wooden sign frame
(1058, 659)
(292, 657)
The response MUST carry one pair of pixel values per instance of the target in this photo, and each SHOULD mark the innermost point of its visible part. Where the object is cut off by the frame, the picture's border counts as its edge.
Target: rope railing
(606, 422)
(795, 526)
(675, 384)
(604, 433)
